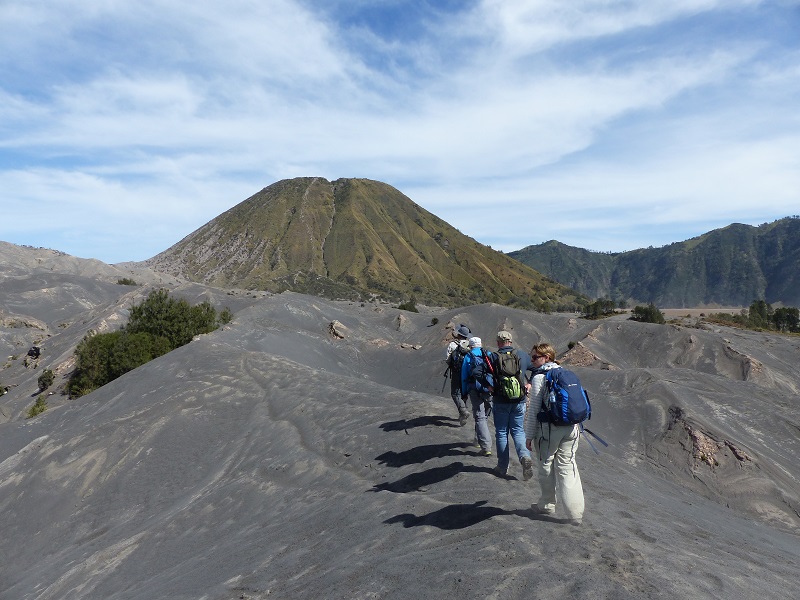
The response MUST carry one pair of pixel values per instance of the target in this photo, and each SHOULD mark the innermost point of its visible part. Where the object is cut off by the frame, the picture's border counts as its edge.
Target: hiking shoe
(542, 510)
(575, 522)
(485, 452)
(527, 467)
(500, 472)
(463, 418)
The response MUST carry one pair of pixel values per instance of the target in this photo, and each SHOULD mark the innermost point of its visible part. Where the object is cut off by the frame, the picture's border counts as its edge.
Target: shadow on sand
(435, 420)
(420, 454)
(417, 482)
(459, 516)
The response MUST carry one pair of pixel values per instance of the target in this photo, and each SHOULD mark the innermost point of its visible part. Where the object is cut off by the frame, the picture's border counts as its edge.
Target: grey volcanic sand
(270, 459)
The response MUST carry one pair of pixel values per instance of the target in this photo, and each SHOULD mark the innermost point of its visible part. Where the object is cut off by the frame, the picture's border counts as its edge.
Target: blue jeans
(509, 418)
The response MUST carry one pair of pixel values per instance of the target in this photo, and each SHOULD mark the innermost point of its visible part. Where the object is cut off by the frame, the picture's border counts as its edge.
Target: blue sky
(604, 124)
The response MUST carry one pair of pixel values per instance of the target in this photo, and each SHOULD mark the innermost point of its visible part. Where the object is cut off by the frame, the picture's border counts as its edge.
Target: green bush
(126, 281)
(761, 316)
(176, 320)
(602, 307)
(157, 326)
(226, 316)
(647, 314)
(411, 305)
(786, 319)
(46, 379)
(38, 407)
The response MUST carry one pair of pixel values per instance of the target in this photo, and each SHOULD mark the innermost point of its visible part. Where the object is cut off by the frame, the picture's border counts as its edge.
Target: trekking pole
(585, 430)
(444, 383)
(597, 437)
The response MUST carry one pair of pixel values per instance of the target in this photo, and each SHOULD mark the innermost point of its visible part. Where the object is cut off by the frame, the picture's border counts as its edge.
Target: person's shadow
(435, 420)
(459, 516)
(420, 454)
(418, 482)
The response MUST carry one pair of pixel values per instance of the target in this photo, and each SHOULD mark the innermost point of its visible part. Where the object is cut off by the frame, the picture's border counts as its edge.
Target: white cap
(474, 342)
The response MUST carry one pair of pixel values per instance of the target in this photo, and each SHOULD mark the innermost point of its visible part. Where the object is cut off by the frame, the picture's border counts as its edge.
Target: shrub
(226, 316)
(126, 281)
(786, 319)
(602, 307)
(411, 305)
(38, 407)
(158, 325)
(46, 379)
(176, 320)
(761, 316)
(647, 314)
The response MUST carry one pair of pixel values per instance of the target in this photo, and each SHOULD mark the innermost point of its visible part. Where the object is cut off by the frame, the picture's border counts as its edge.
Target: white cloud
(157, 109)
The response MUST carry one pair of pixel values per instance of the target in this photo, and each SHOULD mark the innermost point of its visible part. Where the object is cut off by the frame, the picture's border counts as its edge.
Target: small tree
(226, 316)
(38, 407)
(601, 307)
(158, 325)
(786, 319)
(46, 379)
(411, 305)
(760, 314)
(647, 314)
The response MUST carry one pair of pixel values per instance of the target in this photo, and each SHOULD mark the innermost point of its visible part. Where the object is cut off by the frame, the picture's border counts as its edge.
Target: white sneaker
(542, 510)
(527, 467)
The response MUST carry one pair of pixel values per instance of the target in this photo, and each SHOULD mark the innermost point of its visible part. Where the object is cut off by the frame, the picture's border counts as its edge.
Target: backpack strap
(487, 361)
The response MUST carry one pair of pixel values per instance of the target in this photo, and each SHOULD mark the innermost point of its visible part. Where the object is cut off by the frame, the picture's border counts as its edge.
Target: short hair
(545, 349)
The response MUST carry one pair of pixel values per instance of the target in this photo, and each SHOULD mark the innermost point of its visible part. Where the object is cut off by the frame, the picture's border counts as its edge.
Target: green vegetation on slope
(156, 326)
(761, 316)
(647, 314)
(726, 267)
(355, 239)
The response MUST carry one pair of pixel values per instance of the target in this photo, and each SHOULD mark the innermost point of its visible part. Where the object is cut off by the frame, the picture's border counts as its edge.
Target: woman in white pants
(553, 445)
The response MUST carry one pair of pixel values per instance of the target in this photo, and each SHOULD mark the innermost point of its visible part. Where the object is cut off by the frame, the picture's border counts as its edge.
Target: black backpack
(456, 359)
(510, 383)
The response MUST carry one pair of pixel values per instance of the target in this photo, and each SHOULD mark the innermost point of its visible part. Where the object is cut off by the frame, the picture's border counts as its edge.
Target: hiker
(476, 384)
(509, 405)
(553, 445)
(457, 349)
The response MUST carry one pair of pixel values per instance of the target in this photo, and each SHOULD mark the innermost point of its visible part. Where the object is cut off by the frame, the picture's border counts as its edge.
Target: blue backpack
(481, 372)
(566, 402)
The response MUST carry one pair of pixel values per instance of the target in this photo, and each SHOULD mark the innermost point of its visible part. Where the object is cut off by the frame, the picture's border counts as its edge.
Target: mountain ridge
(730, 266)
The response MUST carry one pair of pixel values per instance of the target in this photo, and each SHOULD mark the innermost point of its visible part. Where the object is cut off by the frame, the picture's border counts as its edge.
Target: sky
(608, 125)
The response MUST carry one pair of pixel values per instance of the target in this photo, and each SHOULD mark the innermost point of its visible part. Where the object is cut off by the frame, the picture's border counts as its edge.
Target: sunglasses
(535, 356)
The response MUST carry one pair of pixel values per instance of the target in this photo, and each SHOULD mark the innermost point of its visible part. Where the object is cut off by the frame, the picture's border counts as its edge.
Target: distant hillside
(731, 266)
(353, 238)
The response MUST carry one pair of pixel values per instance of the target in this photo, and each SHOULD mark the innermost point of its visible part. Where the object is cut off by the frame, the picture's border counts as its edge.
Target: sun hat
(463, 331)
(504, 335)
